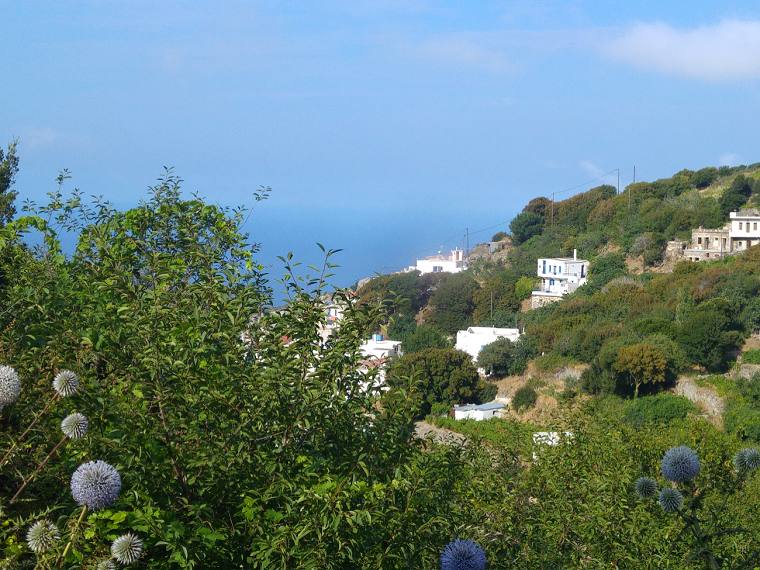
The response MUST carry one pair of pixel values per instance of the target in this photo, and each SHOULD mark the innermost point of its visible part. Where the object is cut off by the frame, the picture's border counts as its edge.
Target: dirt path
(441, 435)
(706, 398)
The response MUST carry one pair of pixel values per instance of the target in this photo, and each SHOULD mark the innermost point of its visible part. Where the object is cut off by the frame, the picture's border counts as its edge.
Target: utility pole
(552, 219)
(492, 323)
(467, 243)
(618, 178)
(634, 174)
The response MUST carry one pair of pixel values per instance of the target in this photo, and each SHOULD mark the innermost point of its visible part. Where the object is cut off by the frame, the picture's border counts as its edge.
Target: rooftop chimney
(575, 254)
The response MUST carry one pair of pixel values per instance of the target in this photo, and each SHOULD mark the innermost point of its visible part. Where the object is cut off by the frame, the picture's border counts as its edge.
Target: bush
(498, 236)
(524, 398)
(487, 391)
(438, 375)
(424, 336)
(526, 225)
(440, 409)
(661, 408)
(496, 357)
(751, 357)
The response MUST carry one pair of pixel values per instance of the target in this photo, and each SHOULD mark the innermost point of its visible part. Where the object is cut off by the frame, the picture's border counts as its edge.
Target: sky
(385, 128)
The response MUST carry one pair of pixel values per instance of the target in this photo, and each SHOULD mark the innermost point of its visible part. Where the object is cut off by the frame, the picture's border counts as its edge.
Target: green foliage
(525, 225)
(736, 195)
(524, 398)
(524, 286)
(606, 268)
(8, 170)
(707, 340)
(496, 357)
(751, 357)
(423, 337)
(660, 408)
(437, 375)
(704, 177)
(452, 303)
(641, 363)
(498, 236)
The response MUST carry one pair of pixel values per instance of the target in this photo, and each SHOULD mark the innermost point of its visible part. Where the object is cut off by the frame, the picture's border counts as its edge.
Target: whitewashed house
(479, 412)
(559, 277)
(454, 262)
(378, 353)
(474, 339)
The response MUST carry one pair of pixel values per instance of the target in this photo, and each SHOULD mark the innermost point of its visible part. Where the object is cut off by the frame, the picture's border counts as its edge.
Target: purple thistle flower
(747, 459)
(463, 555)
(95, 484)
(680, 464)
(671, 500)
(646, 487)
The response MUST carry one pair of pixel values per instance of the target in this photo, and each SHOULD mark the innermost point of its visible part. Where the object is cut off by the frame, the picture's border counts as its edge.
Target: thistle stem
(27, 430)
(38, 469)
(62, 559)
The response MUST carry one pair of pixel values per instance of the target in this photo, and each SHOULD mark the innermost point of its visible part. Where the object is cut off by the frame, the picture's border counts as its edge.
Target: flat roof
(480, 407)
(579, 260)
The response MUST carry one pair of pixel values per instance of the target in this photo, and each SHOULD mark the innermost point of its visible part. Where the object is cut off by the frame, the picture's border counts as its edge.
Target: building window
(754, 225)
(740, 226)
(699, 240)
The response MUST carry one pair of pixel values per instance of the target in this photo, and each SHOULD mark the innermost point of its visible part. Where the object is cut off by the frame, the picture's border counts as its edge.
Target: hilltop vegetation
(242, 439)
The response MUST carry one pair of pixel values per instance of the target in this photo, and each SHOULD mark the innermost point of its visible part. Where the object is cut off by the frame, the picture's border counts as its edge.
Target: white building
(474, 339)
(378, 353)
(479, 412)
(440, 263)
(745, 229)
(559, 276)
(549, 439)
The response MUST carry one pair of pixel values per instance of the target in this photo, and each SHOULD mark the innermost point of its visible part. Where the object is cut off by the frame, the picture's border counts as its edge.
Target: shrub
(496, 357)
(660, 408)
(524, 398)
(498, 236)
(526, 225)
(751, 357)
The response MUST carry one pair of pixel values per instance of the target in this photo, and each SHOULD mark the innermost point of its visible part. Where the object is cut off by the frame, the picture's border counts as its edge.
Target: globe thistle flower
(645, 487)
(127, 548)
(10, 386)
(66, 383)
(671, 500)
(106, 565)
(95, 484)
(463, 555)
(74, 426)
(747, 459)
(680, 464)
(42, 536)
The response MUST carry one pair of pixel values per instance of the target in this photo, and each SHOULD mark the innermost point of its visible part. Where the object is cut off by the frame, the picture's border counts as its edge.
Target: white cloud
(464, 51)
(726, 51)
(593, 170)
(39, 137)
(728, 159)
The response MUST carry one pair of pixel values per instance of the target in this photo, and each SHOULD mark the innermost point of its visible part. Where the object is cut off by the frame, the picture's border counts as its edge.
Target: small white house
(380, 348)
(454, 262)
(378, 353)
(479, 412)
(559, 276)
(474, 339)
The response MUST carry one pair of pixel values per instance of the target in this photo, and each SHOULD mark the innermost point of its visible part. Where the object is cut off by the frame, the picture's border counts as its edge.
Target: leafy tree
(641, 363)
(439, 375)
(498, 236)
(495, 301)
(524, 287)
(8, 170)
(707, 340)
(736, 196)
(452, 303)
(704, 177)
(525, 225)
(424, 337)
(605, 268)
(496, 357)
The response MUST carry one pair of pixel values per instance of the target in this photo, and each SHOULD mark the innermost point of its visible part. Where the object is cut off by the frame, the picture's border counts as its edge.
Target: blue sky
(384, 127)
